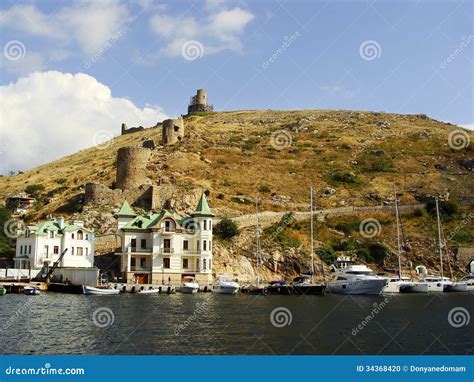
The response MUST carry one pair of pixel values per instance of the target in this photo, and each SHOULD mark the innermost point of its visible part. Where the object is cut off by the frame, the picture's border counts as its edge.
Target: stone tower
(131, 167)
(198, 102)
(173, 131)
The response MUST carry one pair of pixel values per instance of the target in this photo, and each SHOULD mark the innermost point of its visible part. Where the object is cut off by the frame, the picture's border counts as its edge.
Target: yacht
(352, 278)
(189, 285)
(430, 283)
(397, 283)
(257, 287)
(31, 290)
(225, 285)
(305, 283)
(466, 284)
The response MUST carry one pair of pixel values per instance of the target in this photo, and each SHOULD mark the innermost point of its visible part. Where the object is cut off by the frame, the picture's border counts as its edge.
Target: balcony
(166, 250)
(138, 268)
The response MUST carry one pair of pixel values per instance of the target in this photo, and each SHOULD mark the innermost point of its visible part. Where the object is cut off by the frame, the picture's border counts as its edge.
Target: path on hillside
(270, 217)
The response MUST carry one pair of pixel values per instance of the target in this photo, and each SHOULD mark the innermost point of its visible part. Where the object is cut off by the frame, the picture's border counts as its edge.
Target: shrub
(226, 229)
(344, 177)
(326, 254)
(220, 196)
(447, 208)
(265, 189)
(34, 189)
(61, 180)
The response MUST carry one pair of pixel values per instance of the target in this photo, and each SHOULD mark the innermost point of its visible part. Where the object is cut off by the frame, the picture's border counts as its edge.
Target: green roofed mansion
(164, 247)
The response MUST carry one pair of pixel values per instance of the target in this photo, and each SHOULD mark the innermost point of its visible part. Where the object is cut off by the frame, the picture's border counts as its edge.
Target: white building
(164, 247)
(41, 244)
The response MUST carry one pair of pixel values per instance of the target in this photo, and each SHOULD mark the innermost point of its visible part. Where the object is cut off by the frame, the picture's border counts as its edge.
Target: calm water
(220, 324)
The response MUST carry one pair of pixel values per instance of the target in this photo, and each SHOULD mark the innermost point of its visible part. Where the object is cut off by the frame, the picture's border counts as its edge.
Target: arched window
(80, 235)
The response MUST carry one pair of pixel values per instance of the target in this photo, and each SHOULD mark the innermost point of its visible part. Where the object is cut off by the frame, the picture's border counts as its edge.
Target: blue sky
(395, 56)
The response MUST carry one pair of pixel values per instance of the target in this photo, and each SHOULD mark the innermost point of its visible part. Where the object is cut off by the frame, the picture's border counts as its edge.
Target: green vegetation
(374, 252)
(446, 208)
(226, 229)
(6, 244)
(34, 190)
(265, 189)
(61, 181)
(326, 254)
(344, 177)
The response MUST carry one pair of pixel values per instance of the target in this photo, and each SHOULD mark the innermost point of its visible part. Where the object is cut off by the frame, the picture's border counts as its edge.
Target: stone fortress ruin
(131, 180)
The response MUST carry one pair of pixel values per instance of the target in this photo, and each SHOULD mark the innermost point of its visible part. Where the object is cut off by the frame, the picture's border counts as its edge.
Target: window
(205, 225)
(87, 236)
(185, 263)
(197, 264)
(21, 250)
(210, 264)
(56, 250)
(166, 262)
(29, 249)
(79, 251)
(72, 251)
(185, 245)
(46, 250)
(210, 225)
(204, 264)
(143, 243)
(198, 245)
(167, 225)
(204, 245)
(133, 243)
(27, 233)
(142, 262)
(132, 262)
(72, 236)
(209, 245)
(80, 235)
(87, 251)
(51, 234)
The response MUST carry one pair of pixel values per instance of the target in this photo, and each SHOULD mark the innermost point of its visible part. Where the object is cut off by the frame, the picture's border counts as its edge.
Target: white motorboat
(99, 291)
(225, 285)
(355, 279)
(31, 291)
(149, 291)
(189, 285)
(397, 284)
(466, 284)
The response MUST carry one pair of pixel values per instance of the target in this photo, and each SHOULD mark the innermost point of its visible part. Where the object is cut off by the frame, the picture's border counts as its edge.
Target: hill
(352, 158)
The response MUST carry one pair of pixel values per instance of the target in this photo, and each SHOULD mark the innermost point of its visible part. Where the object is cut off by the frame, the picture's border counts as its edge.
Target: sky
(72, 71)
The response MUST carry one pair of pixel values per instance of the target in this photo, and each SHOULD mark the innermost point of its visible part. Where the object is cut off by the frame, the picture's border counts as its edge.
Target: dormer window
(51, 234)
(169, 226)
(80, 235)
(27, 233)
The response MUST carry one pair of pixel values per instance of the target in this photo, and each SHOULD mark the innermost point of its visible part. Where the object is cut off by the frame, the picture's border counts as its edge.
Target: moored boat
(88, 290)
(466, 284)
(304, 285)
(225, 285)
(355, 279)
(31, 290)
(3, 291)
(279, 287)
(149, 291)
(189, 285)
(254, 289)
(397, 284)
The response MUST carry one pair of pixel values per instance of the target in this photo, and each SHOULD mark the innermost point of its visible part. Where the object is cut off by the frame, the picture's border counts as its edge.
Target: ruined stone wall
(172, 131)
(131, 167)
(128, 130)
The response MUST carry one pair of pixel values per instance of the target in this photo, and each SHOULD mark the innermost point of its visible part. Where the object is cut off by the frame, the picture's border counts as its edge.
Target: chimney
(61, 222)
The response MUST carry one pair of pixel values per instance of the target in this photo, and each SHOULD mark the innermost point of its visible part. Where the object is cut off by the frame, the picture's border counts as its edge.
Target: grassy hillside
(352, 158)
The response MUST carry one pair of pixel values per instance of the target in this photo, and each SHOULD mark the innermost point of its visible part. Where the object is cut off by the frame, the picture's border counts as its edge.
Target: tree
(226, 229)
(34, 189)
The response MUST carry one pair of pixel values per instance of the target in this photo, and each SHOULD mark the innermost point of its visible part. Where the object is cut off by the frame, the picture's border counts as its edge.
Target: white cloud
(221, 29)
(50, 114)
(469, 126)
(89, 23)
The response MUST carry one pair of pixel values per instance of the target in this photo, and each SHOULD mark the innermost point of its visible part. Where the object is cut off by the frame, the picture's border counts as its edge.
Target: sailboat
(305, 283)
(257, 287)
(396, 284)
(430, 283)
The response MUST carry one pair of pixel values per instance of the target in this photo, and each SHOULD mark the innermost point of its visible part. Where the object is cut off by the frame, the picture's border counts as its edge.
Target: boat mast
(439, 240)
(397, 214)
(312, 234)
(258, 241)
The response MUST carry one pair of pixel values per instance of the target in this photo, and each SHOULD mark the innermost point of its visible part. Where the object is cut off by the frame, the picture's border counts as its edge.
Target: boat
(225, 285)
(3, 291)
(398, 283)
(279, 287)
(431, 283)
(354, 279)
(257, 287)
(88, 290)
(304, 284)
(466, 284)
(31, 290)
(189, 285)
(149, 291)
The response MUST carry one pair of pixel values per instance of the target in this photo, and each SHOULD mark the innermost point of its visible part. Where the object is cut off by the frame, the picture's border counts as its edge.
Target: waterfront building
(165, 247)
